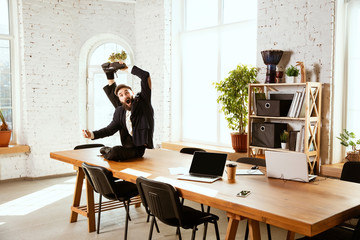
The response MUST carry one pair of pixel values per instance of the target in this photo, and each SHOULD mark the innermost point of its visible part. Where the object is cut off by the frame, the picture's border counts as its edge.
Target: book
(291, 109)
(301, 103)
(292, 140)
(298, 142)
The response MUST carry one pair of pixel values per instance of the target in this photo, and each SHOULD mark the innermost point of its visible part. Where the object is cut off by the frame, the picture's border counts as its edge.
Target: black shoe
(105, 150)
(109, 70)
(117, 65)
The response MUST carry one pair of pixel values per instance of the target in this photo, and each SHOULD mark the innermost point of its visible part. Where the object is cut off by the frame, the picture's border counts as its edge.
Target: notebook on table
(206, 167)
(288, 165)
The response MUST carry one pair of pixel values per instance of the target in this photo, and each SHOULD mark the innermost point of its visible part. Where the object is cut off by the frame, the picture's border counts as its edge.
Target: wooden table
(305, 208)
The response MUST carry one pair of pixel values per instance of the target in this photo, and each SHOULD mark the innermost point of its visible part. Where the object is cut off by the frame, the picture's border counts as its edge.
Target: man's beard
(125, 104)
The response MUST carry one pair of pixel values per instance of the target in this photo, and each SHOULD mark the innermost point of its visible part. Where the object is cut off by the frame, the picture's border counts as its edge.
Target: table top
(305, 208)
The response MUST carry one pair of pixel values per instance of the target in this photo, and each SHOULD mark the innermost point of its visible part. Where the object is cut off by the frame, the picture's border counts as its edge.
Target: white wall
(304, 30)
(52, 33)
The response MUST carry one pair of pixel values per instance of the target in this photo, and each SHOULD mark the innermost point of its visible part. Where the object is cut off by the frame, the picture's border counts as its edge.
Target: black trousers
(120, 153)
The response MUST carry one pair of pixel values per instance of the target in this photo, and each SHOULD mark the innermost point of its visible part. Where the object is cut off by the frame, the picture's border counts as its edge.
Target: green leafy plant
(116, 57)
(348, 139)
(3, 126)
(292, 71)
(284, 136)
(234, 96)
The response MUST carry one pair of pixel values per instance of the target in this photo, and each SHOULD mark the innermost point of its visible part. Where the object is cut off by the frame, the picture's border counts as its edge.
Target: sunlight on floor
(34, 201)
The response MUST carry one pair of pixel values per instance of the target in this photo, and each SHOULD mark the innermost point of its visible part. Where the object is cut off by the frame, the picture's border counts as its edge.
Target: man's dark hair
(120, 86)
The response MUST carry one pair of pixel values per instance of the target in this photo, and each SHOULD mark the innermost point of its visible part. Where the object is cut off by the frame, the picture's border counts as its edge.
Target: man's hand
(86, 134)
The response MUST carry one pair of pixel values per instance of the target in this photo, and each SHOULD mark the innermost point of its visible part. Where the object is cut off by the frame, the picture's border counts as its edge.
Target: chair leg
(99, 213)
(157, 227)
(246, 231)
(216, 230)
(178, 232)
(126, 205)
(193, 233)
(268, 231)
(205, 224)
(151, 227)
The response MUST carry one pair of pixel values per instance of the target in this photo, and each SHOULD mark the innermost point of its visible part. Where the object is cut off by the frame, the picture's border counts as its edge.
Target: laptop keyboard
(199, 179)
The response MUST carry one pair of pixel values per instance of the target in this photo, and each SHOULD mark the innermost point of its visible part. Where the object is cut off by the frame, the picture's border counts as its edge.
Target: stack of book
(297, 108)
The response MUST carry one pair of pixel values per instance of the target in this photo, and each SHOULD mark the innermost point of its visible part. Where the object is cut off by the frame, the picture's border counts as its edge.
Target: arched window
(99, 108)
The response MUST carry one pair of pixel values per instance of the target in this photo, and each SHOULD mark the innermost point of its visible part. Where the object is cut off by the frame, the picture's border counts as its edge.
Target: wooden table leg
(90, 207)
(232, 226)
(290, 235)
(77, 194)
(254, 230)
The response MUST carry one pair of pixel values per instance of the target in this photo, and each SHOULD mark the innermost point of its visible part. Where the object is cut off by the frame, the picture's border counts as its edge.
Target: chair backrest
(90, 145)
(252, 160)
(162, 199)
(188, 150)
(351, 172)
(101, 180)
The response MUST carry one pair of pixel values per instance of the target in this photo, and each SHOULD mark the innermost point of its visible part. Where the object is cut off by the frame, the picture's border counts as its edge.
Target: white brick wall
(304, 30)
(153, 53)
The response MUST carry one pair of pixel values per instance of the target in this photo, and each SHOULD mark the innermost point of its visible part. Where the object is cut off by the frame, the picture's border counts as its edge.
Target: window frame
(179, 30)
(12, 37)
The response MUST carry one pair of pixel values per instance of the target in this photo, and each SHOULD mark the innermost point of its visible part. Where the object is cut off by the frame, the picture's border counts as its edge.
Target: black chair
(106, 185)
(350, 172)
(164, 204)
(252, 160)
(258, 162)
(337, 233)
(189, 150)
(344, 231)
(90, 145)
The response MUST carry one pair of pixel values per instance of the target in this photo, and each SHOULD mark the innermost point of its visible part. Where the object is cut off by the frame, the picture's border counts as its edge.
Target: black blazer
(142, 115)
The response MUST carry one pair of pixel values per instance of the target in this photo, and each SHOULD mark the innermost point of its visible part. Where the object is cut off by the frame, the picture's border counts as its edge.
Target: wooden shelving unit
(311, 121)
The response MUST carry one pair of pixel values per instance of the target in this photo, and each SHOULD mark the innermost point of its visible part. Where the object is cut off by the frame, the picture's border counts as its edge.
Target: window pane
(101, 110)
(4, 17)
(239, 10)
(199, 95)
(5, 81)
(201, 13)
(238, 46)
(353, 62)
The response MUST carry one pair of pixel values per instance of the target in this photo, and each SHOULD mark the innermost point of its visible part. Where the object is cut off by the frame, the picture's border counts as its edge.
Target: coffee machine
(271, 58)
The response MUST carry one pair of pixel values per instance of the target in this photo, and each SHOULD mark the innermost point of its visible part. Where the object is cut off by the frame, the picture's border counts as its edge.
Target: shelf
(311, 122)
(311, 119)
(311, 153)
(284, 84)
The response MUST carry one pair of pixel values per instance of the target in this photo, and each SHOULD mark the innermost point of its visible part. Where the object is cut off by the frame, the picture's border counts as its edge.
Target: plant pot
(291, 79)
(239, 142)
(5, 138)
(353, 156)
(284, 145)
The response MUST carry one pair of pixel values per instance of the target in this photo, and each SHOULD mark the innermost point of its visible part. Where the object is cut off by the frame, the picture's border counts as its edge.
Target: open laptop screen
(205, 163)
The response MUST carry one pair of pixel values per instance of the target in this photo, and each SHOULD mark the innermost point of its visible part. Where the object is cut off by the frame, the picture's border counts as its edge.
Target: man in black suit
(133, 116)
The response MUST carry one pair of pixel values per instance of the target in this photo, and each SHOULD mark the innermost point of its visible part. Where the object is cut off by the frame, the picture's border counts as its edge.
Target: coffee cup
(231, 172)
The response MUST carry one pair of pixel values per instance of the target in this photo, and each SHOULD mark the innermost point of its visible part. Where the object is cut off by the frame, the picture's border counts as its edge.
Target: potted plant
(292, 72)
(283, 139)
(5, 132)
(117, 57)
(234, 100)
(348, 139)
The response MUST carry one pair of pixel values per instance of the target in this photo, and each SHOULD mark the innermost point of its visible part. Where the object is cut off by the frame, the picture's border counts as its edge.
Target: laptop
(288, 165)
(206, 167)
